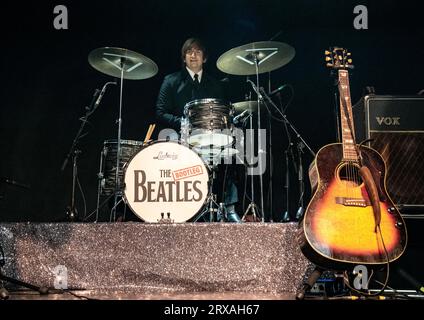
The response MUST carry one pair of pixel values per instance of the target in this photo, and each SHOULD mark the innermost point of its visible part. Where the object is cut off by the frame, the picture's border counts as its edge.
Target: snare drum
(208, 123)
(166, 180)
(108, 163)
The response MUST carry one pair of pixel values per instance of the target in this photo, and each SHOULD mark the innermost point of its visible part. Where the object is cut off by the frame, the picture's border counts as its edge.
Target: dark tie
(196, 80)
(196, 85)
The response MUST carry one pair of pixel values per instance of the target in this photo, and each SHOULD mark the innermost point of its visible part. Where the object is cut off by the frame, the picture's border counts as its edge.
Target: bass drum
(166, 181)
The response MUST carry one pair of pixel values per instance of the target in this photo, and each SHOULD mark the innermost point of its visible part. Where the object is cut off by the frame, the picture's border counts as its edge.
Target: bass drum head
(166, 180)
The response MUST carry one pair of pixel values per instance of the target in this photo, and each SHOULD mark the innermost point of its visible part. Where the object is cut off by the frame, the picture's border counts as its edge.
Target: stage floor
(93, 295)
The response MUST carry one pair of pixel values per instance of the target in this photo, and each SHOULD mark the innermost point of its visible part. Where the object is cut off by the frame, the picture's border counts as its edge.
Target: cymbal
(241, 61)
(239, 107)
(111, 61)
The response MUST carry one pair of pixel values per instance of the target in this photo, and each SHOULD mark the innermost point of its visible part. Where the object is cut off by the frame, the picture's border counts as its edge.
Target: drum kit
(170, 181)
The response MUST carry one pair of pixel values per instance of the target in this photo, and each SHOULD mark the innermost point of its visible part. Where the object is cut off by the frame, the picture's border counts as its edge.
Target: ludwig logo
(165, 155)
(388, 121)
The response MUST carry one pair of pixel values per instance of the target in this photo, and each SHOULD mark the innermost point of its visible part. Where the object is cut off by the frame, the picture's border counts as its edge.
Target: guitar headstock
(338, 58)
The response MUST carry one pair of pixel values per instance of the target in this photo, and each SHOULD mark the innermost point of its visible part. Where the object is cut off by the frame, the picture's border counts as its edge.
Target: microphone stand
(71, 211)
(271, 159)
(4, 294)
(287, 153)
(301, 143)
(300, 210)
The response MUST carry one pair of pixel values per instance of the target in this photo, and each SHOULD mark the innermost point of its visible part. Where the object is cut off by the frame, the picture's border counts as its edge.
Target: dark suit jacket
(177, 90)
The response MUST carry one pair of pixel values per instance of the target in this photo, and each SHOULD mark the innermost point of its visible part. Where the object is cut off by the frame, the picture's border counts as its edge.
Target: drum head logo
(166, 180)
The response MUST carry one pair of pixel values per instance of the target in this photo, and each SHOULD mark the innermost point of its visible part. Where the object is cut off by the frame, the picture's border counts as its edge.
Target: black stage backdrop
(47, 81)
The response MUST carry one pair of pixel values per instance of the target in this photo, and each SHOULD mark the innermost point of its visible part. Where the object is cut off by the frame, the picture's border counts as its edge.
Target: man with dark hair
(181, 87)
(192, 83)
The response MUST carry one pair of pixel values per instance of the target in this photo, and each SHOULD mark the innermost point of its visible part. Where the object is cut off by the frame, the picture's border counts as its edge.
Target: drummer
(190, 83)
(181, 87)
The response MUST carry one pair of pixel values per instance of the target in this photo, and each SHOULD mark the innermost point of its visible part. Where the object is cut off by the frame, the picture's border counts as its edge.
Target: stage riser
(205, 257)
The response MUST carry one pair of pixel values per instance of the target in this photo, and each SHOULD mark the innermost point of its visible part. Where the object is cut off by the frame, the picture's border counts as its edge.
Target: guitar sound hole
(349, 172)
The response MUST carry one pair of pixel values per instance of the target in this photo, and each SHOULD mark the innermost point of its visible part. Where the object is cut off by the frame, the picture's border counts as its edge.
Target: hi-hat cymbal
(111, 61)
(241, 61)
(239, 107)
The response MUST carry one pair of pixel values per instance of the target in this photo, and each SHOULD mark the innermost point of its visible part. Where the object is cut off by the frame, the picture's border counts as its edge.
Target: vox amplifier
(396, 126)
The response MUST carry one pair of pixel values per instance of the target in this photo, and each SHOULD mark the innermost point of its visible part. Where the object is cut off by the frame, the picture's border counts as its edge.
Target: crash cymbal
(239, 107)
(110, 61)
(270, 56)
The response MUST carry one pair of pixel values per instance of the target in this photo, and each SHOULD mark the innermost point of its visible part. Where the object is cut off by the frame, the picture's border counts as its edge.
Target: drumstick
(149, 132)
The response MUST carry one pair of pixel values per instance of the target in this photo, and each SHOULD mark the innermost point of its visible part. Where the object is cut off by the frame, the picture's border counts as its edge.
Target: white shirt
(199, 74)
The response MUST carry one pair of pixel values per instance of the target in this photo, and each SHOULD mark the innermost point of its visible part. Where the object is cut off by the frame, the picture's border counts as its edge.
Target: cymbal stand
(260, 150)
(118, 188)
(252, 205)
(252, 208)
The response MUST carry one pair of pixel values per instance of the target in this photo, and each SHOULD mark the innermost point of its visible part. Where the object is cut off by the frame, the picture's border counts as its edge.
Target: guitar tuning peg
(330, 65)
(327, 52)
(349, 60)
(349, 54)
(327, 58)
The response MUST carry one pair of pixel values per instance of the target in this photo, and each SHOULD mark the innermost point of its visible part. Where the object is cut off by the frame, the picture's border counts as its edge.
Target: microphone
(93, 99)
(99, 98)
(237, 119)
(277, 90)
(15, 183)
(254, 88)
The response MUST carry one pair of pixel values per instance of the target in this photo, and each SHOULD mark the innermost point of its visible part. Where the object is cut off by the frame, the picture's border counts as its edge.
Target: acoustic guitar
(350, 219)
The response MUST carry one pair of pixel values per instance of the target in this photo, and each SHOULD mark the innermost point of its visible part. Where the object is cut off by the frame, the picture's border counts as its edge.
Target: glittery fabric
(156, 258)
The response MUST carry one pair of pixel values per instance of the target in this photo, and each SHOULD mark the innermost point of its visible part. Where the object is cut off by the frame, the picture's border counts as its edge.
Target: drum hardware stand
(100, 177)
(118, 152)
(260, 150)
(212, 206)
(111, 61)
(252, 206)
(117, 194)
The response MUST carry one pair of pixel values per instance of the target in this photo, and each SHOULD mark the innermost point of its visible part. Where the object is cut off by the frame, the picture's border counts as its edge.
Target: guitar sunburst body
(339, 227)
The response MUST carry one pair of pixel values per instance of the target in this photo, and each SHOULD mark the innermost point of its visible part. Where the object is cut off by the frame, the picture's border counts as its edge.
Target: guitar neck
(348, 131)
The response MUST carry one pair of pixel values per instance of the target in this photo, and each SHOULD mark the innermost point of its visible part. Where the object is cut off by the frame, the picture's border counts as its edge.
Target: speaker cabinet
(396, 126)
